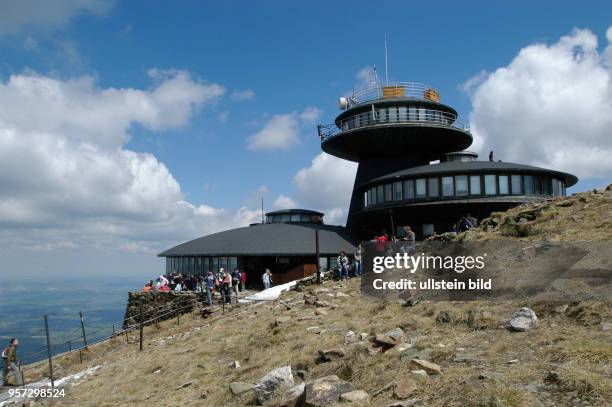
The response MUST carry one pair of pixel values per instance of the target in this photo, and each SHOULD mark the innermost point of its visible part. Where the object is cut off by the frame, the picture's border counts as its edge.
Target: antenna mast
(262, 210)
(386, 63)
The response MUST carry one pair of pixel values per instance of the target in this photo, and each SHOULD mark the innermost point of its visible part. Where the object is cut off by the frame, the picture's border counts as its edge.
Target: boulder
(325, 391)
(294, 396)
(238, 388)
(320, 312)
(429, 367)
(523, 320)
(350, 337)
(374, 350)
(281, 320)
(397, 335)
(328, 355)
(272, 382)
(404, 388)
(355, 396)
(235, 365)
(419, 373)
(384, 341)
(314, 329)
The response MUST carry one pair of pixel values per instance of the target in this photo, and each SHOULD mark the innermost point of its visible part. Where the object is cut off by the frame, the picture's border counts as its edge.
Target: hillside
(469, 357)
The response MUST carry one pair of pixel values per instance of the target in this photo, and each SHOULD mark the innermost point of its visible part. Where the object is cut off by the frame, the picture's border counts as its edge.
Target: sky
(129, 127)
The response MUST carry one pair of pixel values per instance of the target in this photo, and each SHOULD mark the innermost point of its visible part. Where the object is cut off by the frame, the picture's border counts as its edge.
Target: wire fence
(85, 335)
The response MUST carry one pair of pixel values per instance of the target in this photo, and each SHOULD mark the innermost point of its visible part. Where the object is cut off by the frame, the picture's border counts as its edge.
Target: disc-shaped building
(413, 171)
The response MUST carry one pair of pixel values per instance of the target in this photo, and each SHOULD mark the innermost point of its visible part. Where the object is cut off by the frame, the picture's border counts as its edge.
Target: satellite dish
(342, 103)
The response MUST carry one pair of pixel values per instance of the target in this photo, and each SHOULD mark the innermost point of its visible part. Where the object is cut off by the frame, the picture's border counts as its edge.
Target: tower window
(365, 199)
(490, 187)
(421, 189)
(409, 189)
(448, 189)
(515, 182)
(433, 190)
(388, 192)
(475, 185)
(461, 184)
(397, 191)
(504, 188)
(380, 198)
(529, 185)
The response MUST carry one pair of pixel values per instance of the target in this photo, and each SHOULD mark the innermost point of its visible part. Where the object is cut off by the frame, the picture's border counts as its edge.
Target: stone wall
(157, 304)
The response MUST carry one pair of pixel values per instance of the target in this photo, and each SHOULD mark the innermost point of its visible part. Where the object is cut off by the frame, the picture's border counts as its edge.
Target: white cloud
(282, 131)
(17, 16)
(242, 95)
(284, 202)
(66, 176)
(551, 106)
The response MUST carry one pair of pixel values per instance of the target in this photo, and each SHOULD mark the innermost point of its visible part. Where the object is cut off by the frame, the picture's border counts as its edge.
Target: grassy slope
(574, 343)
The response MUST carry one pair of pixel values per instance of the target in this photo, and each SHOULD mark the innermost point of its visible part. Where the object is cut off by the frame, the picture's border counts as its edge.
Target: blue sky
(289, 57)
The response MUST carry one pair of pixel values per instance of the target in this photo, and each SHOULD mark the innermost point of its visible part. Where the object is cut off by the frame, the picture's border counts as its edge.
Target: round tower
(395, 132)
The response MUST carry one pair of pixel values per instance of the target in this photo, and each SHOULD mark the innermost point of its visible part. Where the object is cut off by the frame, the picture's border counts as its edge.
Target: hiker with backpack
(9, 359)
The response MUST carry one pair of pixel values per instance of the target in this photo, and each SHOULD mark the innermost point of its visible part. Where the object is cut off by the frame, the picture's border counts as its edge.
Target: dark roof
(474, 166)
(294, 211)
(273, 239)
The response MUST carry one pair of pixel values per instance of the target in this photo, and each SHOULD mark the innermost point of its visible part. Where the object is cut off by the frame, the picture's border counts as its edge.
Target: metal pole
(83, 330)
(178, 318)
(318, 256)
(80, 355)
(49, 352)
(69, 346)
(141, 324)
(127, 340)
(113, 330)
(223, 298)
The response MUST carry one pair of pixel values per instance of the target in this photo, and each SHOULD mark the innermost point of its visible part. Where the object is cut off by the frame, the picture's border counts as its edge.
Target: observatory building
(413, 167)
(413, 171)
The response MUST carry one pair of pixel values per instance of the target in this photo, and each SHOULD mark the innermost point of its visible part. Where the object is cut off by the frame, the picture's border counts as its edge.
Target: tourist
(236, 283)
(227, 286)
(267, 279)
(164, 288)
(358, 255)
(148, 287)
(343, 266)
(9, 359)
(210, 286)
(243, 280)
(382, 242)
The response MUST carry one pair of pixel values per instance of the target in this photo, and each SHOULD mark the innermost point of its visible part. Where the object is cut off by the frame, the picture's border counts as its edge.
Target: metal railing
(391, 117)
(411, 90)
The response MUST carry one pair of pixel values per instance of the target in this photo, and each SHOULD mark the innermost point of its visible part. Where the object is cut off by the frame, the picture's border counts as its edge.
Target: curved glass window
(490, 187)
(382, 115)
(409, 189)
(295, 217)
(515, 182)
(529, 185)
(448, 188)
(380, 197)
(421, 188)
(461, 185)
(432, 188)
(475, 188)
(388, 193)
(504, 187)
(397, 191)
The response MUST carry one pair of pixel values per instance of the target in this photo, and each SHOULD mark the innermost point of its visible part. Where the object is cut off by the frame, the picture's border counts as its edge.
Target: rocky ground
(328, 345)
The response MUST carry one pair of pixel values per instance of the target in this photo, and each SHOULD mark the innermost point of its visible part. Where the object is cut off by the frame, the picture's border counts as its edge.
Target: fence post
(80, 355)
(49, 352)
(83, 330)
(127, 340)
(113, 330)
(141, 324)
(178, 318)
(69, 346)
(223, 299)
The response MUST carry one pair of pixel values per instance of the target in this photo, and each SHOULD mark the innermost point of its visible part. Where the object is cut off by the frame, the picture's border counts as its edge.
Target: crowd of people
(465, 223)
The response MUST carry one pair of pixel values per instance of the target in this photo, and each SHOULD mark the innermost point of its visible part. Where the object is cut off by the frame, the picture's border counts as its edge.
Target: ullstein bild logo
(491, 270)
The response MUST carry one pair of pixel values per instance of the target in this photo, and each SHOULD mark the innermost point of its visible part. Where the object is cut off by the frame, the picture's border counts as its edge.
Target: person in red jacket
(242, 280)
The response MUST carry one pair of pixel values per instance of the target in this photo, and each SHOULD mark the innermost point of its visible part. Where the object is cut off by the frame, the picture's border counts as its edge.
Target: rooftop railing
(390, 117)
(411, 90)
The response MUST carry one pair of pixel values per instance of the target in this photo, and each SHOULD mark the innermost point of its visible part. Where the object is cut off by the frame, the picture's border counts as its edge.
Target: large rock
(238, 388)
(327, 355)
(273, 382)
(325, 391)
(523, 320)
(355, 396)
(294, 396)
(429, 367)
(404, 388)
